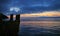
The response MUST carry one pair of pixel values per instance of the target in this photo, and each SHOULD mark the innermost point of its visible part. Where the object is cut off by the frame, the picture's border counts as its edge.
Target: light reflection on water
(39, 28)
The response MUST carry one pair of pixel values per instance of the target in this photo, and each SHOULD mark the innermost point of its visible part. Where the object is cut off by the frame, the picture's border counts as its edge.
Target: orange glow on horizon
(47, 14)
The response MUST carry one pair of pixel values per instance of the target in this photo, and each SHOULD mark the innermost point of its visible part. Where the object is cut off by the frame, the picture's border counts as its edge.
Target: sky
(48, 14)
(29, 6)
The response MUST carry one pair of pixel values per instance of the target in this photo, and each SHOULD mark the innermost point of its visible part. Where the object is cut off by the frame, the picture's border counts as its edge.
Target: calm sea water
(39, 28)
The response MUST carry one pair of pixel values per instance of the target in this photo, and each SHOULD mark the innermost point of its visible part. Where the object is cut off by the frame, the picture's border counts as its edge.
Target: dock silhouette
(10, 28)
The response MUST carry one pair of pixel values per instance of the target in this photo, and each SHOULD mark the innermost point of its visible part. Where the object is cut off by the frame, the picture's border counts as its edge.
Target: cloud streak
(47, 14)
(42, 14)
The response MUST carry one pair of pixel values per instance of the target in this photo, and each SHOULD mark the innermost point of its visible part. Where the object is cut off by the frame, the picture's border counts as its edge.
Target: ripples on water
(39, 28)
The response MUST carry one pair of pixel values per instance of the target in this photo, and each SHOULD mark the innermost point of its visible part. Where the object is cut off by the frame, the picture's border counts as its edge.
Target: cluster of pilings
(13, 26)
(17, 17)
(10, 28)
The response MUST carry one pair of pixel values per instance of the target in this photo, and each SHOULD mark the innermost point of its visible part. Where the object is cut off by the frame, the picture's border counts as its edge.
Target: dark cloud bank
(30, 6)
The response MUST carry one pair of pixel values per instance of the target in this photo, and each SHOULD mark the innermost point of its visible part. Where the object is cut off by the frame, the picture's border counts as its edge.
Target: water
(39, 28)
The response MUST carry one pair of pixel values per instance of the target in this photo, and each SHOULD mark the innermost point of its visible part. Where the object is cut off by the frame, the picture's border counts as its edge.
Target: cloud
(47, 14)
(30, 5)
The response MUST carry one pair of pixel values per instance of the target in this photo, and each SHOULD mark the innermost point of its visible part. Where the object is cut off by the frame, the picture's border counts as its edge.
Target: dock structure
(13, 26)
(10, 28)
(11, 17)
(2, 24)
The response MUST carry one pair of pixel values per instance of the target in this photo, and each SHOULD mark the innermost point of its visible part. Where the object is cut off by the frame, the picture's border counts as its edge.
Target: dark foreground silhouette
(9, 28)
